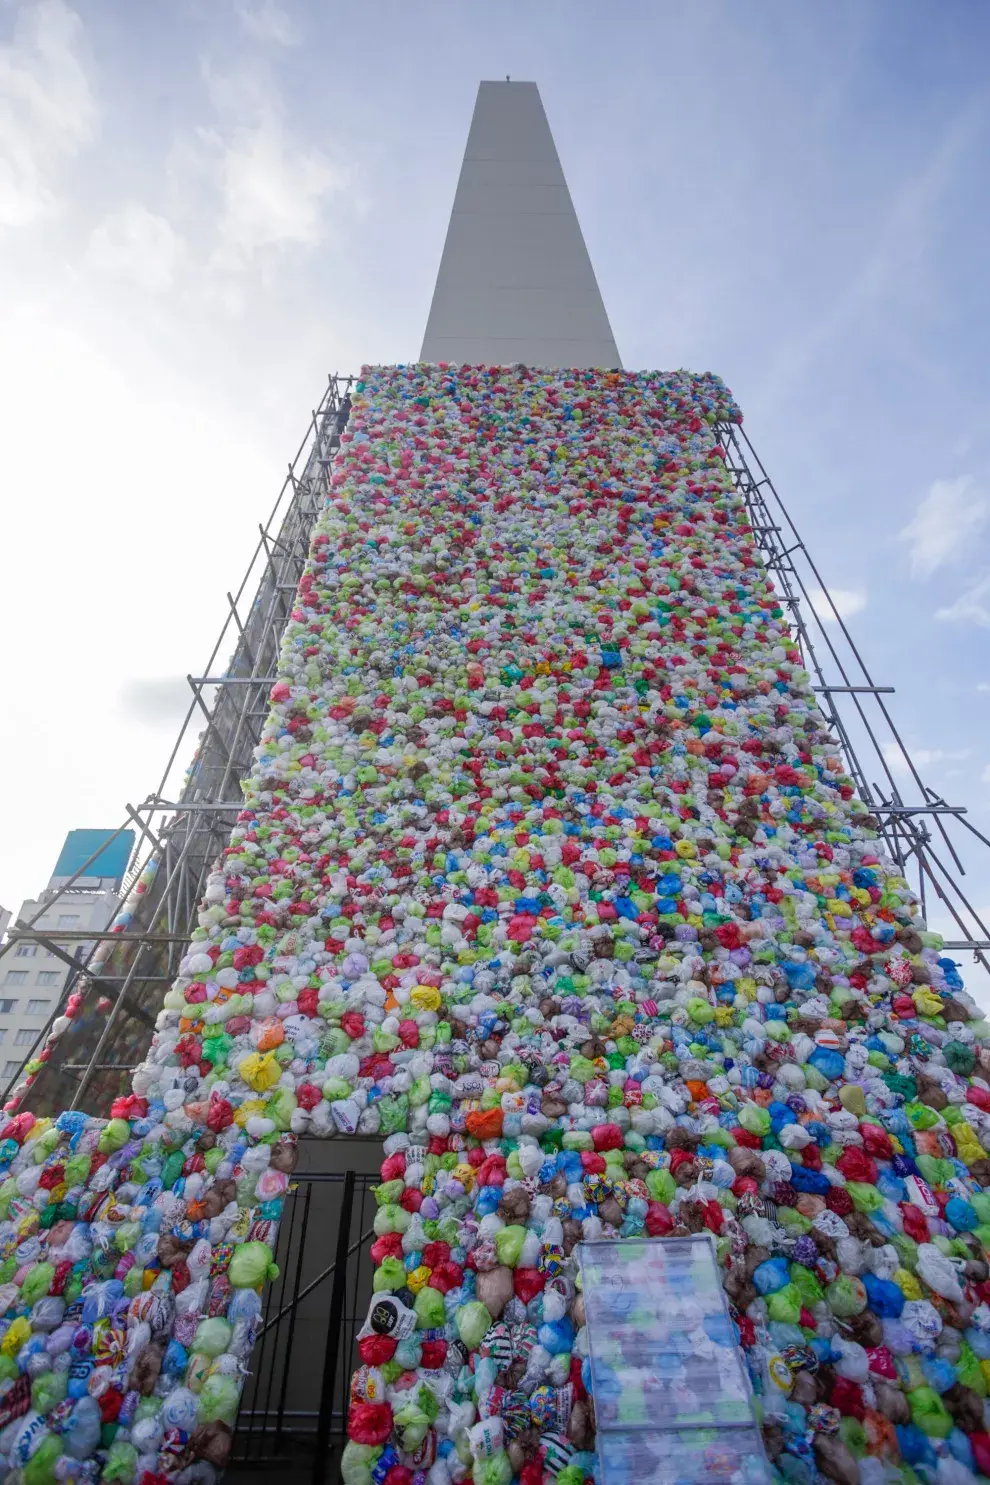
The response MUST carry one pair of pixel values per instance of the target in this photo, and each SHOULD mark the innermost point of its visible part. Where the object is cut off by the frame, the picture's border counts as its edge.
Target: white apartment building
(33, 979)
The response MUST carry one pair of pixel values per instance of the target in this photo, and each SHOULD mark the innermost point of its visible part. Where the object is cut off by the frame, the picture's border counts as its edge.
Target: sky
(207, 206)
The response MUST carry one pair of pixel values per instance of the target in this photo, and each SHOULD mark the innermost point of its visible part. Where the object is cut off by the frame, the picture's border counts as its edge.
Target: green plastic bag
(37, 1283)
(582, 1069)
(935, 1171)
(897, 1083)
(391, 1274)
(473, 1321)
(280, 1108)
(134, 1281)
(907, 1250)
(494, 1471)
(357, 1462)
(866, 1198)
(126, 1236)
(853, 1434)
(121, 1465)
(388, 1192)
(661, 1186)
(969, 1372)
(114, 1136)
(807, 1285)
(213, 1336)
(509, 1244)
(428, 1305)
(7, 1193)
(172, 1169)
(784, 1305)
(219, 1398)
(48, 1390)
(419, 1093)
(414, 1425)
(426, 1399)
(390, 1218)
(45, 1144)
(754, 1119)
(929, 1413)
(251, 1265)
(846, 1296)
(393, 1111)
(40, 1468)
(960, 1058)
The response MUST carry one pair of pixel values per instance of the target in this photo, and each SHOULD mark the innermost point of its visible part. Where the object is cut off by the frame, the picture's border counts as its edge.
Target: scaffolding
(915, 830)
(184, 823)
(126, 973)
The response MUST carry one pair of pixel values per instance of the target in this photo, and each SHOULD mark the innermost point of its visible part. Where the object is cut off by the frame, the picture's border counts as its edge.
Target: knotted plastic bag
(250, 1265)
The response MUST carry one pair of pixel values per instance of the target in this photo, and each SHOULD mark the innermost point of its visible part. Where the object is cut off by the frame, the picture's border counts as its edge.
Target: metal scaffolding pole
(184, 823)
(852, 702)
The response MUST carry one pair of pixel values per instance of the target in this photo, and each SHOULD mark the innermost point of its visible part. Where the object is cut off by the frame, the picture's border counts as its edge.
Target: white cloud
(47, 109)
(946, 520)
(265, 20)
(897, 241)
(848, 601)
(155, 700)
(134, 244)
(985, 775)
(272, 190)
(971, 607)
(158, 701)
(922, 758)
(247, 188)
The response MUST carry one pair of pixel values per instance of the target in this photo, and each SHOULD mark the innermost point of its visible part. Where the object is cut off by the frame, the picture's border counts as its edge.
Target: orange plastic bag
(485, 1124)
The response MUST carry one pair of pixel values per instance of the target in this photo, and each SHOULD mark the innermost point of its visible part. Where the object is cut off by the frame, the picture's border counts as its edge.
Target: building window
(25, 951)
(6, 1006)
(3, 1032)
(38, 1007)
(16, 977)
(9, 1068)
(26, 1037)
(48, 976)
(68, 920)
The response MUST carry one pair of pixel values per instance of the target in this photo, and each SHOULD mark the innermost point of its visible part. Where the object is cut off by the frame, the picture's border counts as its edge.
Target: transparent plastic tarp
(673, 1402)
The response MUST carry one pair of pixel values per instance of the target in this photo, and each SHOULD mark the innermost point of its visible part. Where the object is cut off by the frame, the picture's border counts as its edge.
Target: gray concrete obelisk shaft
(515, 281)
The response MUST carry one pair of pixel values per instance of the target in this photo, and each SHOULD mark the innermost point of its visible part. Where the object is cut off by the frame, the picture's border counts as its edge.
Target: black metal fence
(294, 1409)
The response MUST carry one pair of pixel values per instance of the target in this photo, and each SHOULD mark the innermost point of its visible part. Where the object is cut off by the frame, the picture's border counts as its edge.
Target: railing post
(294, 1310)
(334, 1333)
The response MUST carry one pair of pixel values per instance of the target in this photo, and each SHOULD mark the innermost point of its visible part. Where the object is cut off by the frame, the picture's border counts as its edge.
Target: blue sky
(206, 206)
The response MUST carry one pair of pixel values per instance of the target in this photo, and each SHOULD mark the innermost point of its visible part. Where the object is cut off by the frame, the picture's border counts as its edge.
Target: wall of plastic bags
(550, 875)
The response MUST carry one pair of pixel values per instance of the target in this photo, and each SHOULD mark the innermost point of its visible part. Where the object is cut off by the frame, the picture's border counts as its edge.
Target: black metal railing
(293, 1414)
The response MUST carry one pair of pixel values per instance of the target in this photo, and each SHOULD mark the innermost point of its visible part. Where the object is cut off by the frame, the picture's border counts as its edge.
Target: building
(34, 974)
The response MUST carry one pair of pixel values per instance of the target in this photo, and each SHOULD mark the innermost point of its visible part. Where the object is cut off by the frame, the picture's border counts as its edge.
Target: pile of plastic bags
(550, 875)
